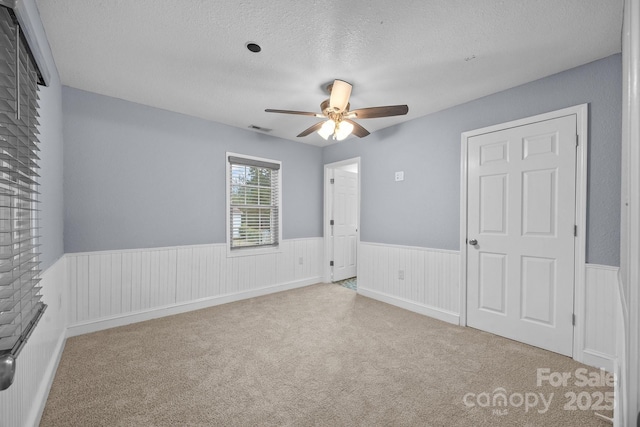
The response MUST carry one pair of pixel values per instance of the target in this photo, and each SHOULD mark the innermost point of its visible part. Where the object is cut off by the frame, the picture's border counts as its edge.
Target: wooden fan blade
(302, 113)
(340, 93)
(375, 112)
(358, 130)
(311, 129)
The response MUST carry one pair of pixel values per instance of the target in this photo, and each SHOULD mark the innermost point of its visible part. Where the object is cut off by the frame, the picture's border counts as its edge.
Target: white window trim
(250, 251)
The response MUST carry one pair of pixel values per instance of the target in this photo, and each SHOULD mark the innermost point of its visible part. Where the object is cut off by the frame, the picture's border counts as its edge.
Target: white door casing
(345, 226)
(521, 199)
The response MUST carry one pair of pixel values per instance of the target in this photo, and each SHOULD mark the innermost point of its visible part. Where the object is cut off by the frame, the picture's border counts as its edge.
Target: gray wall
(424, 210)
(140, 177)
(51, 161)
(136, 176)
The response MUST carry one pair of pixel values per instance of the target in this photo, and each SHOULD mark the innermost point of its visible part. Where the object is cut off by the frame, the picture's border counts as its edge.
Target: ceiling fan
(339, 121)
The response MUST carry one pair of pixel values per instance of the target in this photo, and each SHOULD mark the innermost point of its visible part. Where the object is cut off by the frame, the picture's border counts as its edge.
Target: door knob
(473, 242)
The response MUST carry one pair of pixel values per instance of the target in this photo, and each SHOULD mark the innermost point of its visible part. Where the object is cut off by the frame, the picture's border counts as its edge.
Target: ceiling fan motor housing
(327, 109)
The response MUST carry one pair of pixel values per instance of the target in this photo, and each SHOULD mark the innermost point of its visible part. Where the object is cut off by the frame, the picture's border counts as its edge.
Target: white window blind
(254, 203)
(20, 305)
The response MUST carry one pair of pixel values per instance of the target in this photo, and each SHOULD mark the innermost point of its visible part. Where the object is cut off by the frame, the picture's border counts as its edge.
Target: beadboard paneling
(114, 285)
(22, 403)
(431, 282)
(431, 286)
(600, 314)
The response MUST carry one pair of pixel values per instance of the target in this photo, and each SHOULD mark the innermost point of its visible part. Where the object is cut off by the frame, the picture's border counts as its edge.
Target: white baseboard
(599, 360)
(168, 310)
(436, 313)
(40, 399)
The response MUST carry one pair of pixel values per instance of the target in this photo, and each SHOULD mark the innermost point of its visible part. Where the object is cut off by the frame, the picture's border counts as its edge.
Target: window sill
(253, 251)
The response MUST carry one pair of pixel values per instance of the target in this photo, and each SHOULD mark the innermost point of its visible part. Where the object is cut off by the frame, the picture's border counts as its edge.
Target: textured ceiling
(190, 56)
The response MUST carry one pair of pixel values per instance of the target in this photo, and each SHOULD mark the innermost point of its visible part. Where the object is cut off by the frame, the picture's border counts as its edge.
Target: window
(253, 195)
(20, 305)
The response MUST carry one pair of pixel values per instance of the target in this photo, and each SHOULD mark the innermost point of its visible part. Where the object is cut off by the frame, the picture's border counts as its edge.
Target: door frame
(628, 352)
(581, 112)
(328, 206)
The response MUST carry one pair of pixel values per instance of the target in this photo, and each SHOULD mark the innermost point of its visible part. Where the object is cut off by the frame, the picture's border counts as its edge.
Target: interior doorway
(342, 222)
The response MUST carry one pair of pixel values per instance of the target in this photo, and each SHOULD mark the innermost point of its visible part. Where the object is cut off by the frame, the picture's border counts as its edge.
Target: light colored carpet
(316, 356)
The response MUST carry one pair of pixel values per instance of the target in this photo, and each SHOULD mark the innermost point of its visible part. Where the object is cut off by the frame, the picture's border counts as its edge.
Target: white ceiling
(190, 56)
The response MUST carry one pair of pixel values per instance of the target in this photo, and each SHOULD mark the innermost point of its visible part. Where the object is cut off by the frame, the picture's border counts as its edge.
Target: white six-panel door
(521, 211)
(345, 228)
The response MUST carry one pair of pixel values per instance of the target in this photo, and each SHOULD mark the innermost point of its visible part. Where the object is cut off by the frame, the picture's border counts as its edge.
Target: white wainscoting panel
(114, 288)
(620, 388)
(431, 283)
(22, 403)
(600, 314)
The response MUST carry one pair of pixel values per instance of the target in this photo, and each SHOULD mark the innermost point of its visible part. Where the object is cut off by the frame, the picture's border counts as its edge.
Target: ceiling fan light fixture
(340, 93)
(327, 129)
(343, 130)
(336, 110)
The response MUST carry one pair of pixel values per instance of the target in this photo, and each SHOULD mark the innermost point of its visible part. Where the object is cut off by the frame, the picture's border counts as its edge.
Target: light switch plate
(400, 176)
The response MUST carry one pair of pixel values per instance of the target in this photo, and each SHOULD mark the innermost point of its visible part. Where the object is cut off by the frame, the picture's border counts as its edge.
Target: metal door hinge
(577, 140)
(332, 181)
(331, 222)
(330, 263)
(573, 319)
(575, 230)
